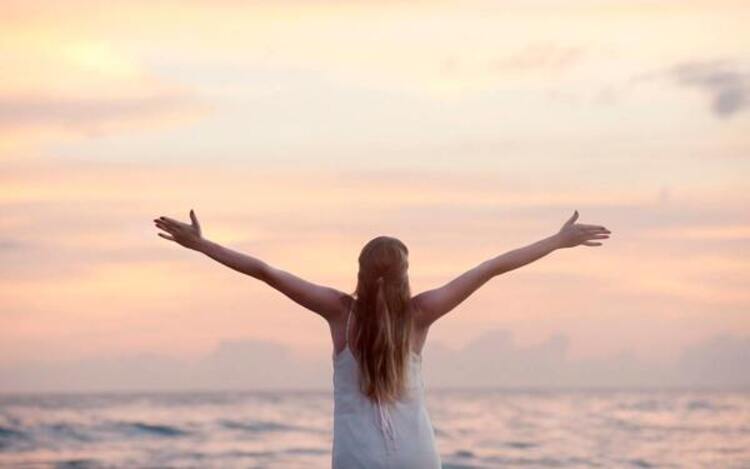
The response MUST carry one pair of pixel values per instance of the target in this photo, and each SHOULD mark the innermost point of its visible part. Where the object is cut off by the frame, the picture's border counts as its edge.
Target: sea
(293, 429)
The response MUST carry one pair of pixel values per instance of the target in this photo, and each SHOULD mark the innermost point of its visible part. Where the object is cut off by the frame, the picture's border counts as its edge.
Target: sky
(299, 130)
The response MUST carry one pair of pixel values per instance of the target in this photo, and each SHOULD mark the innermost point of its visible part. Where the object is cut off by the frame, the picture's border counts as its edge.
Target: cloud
(726, 82)
(491, 360)
(722, 359)
(10, 244)
(540, 56)
(91, 114)
(234, 364)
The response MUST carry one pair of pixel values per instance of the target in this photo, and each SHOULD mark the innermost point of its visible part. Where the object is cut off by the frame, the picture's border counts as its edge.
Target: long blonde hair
(383, 326)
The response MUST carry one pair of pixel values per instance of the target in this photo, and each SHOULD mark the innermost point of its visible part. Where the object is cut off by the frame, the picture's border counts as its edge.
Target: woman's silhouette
(378, 333)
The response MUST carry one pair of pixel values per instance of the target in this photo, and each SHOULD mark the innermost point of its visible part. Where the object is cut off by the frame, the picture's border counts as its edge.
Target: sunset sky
(299, 130)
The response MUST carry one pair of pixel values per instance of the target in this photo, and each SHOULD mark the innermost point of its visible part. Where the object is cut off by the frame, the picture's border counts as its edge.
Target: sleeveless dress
(371, 436)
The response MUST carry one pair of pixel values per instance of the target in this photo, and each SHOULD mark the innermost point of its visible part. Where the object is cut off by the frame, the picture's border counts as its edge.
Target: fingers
(173, 221)
(171, 224)
(165, 226)
(194, 219)
(599, 236)
(592, 227)
(174, 231)
(591, 243)
(572, 219)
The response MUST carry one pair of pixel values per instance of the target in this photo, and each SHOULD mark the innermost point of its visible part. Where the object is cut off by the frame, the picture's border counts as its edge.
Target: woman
(378, 332)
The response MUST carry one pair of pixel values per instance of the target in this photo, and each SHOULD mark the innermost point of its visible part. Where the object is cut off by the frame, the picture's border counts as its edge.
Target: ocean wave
(60, 434)
(306, 451)
(497, 430)
(150, 429)
(640, 463)
(9, 436)
(77, 464)
(261, 426)
(464, 453)
(521, 444)
(647, 405)
(239, 454)
(68, 431)
(542, 461)
(708, 405)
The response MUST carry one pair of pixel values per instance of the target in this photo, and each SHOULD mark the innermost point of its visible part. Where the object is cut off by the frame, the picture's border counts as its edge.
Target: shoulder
(418, 313)
(346, 302)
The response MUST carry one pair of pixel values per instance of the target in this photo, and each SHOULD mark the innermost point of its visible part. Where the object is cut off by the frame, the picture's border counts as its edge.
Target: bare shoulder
(419, 313)
(339, 317)
(421, 325)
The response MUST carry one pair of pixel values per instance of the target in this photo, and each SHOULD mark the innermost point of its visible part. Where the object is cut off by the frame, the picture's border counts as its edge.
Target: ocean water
(474, 429)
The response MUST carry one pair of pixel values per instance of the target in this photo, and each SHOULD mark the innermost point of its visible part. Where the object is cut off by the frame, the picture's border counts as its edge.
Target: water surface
(474, 429)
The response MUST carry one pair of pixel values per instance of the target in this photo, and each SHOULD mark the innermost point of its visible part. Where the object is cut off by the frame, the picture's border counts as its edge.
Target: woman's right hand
(572, 234)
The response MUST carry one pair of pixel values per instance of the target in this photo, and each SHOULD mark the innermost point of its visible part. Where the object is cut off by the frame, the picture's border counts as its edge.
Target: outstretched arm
(325, 301)
(435, 303)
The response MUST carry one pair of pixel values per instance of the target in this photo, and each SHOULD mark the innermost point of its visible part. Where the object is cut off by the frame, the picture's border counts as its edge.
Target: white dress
(370, 436)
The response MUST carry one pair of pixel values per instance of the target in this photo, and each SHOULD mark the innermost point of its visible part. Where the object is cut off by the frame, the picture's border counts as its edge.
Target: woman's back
(368, 435)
